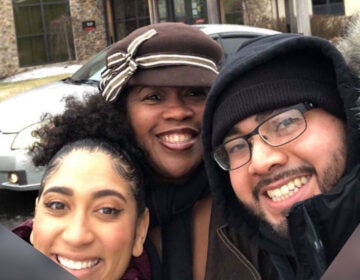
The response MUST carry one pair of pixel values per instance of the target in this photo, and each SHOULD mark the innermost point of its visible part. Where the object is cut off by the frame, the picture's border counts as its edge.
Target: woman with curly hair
(90, 215)
(153, 93)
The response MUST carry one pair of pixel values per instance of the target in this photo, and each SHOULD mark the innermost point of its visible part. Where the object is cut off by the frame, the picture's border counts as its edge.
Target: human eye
(198, 93)
(284, 124)
(288, 123)
(236, 146)
(153, 97)
(109, 211)
(55, 205)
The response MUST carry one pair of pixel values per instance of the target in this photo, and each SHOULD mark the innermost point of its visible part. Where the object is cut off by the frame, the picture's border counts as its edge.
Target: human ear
(141, 232)
(31, 234)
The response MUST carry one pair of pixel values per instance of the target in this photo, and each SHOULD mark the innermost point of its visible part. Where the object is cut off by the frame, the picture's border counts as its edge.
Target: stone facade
(87, 43)
(257, 13)
(261, 13)
(9, 63)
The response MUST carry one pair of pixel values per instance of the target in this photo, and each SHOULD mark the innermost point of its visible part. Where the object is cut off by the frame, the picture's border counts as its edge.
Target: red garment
(139, 267)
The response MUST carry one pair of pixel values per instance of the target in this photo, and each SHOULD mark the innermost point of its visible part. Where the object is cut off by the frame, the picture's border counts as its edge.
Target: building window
(129, 15)
(162, 7)
(233, 12)
(199, 11)
(43, 31)
(328, 7)
(186, 11)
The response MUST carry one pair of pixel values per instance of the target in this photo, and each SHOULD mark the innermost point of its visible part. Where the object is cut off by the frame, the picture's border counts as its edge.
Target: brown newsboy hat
(162, 54)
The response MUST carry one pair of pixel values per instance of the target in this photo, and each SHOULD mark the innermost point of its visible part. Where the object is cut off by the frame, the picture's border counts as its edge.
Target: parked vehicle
(232, 36)
(19, 115)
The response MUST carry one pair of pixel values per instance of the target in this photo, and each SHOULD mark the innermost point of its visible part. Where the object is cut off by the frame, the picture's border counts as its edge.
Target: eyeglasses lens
(278, 130)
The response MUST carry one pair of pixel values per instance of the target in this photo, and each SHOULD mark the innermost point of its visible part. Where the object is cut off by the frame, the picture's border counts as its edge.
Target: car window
(92, 69)
(230, 45)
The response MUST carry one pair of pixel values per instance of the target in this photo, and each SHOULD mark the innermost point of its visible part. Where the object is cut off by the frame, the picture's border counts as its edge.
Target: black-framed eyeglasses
(277, 130)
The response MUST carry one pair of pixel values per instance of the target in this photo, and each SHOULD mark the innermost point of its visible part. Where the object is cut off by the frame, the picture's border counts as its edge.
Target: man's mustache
(282, 175)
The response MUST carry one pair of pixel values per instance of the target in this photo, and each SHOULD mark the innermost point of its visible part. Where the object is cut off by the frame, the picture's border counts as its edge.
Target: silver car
(20, 114)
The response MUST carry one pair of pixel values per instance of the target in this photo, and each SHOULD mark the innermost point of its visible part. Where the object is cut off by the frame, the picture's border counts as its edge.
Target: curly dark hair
(91, 123)
(92, 117)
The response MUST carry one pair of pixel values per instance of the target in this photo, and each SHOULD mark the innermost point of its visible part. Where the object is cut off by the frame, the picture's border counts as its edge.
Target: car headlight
(25, 138)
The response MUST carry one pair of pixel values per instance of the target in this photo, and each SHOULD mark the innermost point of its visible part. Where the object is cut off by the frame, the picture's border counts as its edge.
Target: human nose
(177, 109)
(264, 157)
(78, 231)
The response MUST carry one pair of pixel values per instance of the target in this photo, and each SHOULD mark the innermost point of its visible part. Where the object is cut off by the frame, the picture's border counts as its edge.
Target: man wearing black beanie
(280, 137)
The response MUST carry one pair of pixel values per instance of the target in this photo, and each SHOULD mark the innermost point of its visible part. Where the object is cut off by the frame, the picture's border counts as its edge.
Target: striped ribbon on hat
(121, 66)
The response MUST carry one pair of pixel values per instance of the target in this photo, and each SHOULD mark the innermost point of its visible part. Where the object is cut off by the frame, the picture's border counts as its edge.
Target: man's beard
(326, 181)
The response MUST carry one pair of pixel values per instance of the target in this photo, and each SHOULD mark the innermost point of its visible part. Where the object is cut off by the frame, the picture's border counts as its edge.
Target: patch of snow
(45, 71)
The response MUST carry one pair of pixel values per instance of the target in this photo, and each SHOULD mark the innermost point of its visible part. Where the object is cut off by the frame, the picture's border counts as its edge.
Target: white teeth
(284, 190)
(76, 265)
(297, 182)
(287, 190)
(277, 192)
(176, 138)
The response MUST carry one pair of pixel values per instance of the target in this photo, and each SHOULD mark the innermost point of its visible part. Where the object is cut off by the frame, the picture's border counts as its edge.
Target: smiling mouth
(176, 138)
(286, 191)
(77, 265)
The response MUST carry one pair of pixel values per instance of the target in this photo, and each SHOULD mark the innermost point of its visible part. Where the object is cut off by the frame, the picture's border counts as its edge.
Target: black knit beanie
(285, 80)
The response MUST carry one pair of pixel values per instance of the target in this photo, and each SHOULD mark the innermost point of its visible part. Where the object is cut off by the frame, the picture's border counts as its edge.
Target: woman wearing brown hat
(158, 78)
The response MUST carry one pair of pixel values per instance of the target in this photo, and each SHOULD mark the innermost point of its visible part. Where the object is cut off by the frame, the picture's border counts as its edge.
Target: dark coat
(171, 209)
(319, 226)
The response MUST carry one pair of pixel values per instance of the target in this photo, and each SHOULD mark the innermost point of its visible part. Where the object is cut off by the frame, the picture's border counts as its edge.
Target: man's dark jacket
(319, 226)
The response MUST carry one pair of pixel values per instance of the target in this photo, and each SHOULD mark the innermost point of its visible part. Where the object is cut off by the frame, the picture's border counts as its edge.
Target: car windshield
(91, 71)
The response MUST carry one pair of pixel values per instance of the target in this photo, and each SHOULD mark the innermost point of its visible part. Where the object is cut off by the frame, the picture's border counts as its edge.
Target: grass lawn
(9, 89)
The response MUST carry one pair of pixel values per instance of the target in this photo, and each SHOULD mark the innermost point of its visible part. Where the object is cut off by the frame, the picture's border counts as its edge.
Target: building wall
(87, 43)
(256, 12)
(281, 7)
(351, 7)
(8, 49)
(278, 6)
